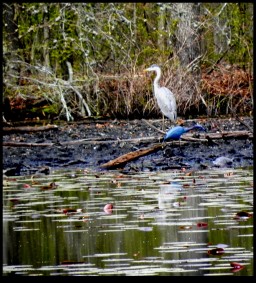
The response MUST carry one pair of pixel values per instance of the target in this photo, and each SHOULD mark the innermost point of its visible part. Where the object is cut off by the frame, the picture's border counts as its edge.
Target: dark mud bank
(90, 144)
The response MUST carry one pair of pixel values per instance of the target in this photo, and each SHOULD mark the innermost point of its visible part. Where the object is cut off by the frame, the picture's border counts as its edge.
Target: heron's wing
(174, 133)
(167, 103)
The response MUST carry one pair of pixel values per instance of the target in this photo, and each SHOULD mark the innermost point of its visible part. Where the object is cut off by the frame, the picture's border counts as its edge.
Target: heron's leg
(163, 127)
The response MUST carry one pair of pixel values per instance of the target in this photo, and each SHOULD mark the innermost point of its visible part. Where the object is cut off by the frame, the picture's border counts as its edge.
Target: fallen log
(82, 141)
(121, 160)
(26, 144)
(24, 129)
(234, 134)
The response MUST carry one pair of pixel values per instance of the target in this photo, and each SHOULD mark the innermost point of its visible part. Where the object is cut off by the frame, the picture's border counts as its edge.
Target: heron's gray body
(165, 98)
(166, 102)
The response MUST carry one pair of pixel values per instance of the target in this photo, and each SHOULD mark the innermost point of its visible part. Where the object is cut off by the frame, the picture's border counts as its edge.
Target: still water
(157, 223)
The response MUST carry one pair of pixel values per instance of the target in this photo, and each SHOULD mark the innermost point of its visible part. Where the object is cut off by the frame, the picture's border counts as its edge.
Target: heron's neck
(189, 129)
(157, 78)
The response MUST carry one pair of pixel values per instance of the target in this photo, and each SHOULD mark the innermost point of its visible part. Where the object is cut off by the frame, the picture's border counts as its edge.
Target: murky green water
(162, 223)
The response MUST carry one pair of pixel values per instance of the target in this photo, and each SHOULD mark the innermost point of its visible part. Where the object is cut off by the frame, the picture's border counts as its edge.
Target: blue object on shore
(176, 132)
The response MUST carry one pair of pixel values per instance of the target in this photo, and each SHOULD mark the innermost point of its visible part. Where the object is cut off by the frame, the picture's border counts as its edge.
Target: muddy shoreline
(109, 139)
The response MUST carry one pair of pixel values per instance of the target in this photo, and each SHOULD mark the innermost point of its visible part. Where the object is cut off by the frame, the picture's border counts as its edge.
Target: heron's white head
(153, 67)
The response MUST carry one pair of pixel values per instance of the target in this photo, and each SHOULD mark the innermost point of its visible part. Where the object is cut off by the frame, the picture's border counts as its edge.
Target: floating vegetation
(150, 223)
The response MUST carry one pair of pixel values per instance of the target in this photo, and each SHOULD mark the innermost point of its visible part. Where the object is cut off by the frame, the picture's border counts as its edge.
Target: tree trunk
(11, 46)
(161, 27)
(188, 33)
(221, 32)
(46, 38)
(187, 46)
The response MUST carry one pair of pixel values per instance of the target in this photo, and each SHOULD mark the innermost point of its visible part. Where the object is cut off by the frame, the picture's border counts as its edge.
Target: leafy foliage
(108, 45)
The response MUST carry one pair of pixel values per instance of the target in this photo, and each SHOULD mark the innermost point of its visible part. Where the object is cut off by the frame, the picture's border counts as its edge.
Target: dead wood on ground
(25, 129)
(121, 160)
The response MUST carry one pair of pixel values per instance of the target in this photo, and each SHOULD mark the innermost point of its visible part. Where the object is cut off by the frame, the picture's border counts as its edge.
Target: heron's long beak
(145, 70)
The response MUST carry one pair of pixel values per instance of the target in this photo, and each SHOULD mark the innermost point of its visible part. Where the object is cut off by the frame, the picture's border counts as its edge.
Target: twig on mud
(239, 120)
(242, 122)
(194, 139)
(152, 126)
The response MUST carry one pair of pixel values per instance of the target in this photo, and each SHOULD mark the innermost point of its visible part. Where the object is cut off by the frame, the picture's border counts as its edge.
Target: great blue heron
(165, 98)
(176, 132)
